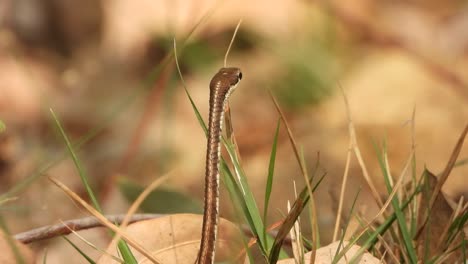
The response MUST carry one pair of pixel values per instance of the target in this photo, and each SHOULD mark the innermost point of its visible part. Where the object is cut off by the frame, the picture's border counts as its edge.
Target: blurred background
(98, 65)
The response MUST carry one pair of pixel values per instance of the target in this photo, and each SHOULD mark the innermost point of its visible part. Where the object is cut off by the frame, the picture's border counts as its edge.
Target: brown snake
(221, 86)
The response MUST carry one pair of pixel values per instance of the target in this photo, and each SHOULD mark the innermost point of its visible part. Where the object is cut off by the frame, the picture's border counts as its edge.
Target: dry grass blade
(84, 240)
(314, 226)
(136, 204)
(296, 235)
(453, 158)
(357, 152)
(388, 248)
(290, 135)
(342, 191)
(232, 41)
(384, 207)
(7, 200)
(104, 221)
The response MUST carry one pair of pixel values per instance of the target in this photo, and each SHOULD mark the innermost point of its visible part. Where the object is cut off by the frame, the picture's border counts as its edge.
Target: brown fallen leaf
(176, 239)
(8, 257)
(437, 223)
(324, 255)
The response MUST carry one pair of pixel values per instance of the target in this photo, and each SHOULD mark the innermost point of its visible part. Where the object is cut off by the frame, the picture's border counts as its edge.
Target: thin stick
(65, 227)
(232, 41)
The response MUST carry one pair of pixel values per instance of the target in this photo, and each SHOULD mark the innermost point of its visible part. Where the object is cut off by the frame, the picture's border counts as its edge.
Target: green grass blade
(122, 245)
(345, 228)
(269, 183)
(127, 254)
(234, 191)
(380, 230)
(238, 204)
(253, 211)
(81, 171)
(401, 219)
(271, 171)
(192, 103)
(90, 260)
(457, 226)
(290, 219)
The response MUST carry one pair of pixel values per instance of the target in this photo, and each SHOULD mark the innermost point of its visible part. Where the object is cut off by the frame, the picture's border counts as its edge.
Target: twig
(66, 227)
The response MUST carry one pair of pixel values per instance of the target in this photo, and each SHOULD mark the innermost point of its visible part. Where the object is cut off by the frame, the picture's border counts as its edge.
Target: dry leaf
(324, 255)
(8, 257)
(435, 226)
(176, 239)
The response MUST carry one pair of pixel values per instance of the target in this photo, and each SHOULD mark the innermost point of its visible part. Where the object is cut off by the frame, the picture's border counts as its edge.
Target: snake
(223, 83)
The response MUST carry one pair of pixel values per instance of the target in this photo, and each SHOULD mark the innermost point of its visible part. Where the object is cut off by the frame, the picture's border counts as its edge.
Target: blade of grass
(127, 254)
(249, 200)
(88, 259)
(457, 226)
(271, 171)
(380, 230)
(123, 247)
(414, 208)
(300, 160)
(239, 200)
(357, 152)
(139, 200)
(373, 236)
(119, 260)
(342, 191)
(388, 249)
(194, 107)
(288, 222)
(401, 219)
(239, 205)
(296, 238)
(83, 175)
(347, 222)
(232, 41)
(443, 237)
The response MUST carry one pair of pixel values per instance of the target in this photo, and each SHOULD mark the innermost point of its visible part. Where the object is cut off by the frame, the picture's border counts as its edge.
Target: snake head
(226, 79)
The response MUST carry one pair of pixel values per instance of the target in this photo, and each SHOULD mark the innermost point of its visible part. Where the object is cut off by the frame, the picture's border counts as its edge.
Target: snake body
(222, 85)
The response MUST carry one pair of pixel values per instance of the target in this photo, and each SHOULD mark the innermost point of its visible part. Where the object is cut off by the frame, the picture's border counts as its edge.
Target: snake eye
(240, 75)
